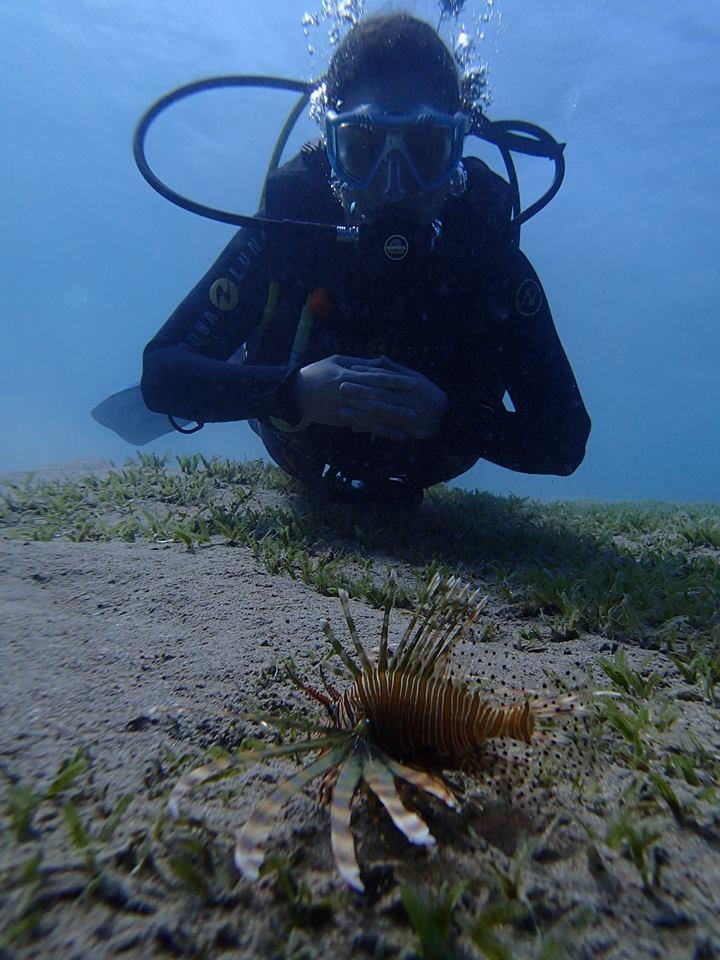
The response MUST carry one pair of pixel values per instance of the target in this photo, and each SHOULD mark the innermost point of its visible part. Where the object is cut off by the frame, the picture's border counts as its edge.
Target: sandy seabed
(94, 635)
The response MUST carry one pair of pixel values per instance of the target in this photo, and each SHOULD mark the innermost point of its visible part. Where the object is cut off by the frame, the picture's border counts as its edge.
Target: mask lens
(358, 147)
(430, 147)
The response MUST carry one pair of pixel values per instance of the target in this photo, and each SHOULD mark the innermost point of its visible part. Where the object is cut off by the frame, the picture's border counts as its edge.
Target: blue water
(93, 261)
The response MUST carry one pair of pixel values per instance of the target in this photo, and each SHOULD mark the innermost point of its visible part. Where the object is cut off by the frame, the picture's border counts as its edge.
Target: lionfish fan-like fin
(248, 849)
(340, 649)
(330, 687)
(190, 781)
(423, 781)
(341, 836)
(307, 688)
(380, 780)
(420, 610)
(359, 648)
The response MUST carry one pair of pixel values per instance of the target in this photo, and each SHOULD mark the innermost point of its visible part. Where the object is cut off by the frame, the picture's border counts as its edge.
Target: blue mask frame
(376, 135)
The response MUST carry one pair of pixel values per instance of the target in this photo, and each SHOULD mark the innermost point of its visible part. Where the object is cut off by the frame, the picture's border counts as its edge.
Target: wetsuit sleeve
(186, 368)
(548, 429)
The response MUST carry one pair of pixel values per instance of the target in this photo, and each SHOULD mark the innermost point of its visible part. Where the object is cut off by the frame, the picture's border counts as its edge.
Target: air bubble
(463, 47)
(465, 39)
(336, 17)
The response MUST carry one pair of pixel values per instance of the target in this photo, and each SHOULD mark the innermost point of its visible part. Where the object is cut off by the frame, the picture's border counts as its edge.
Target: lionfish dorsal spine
(428, 614)
(389, 603)
(445, 622)
(340, 649)
(430, 589)
(365, 664)
(438, 630)
(437, 661)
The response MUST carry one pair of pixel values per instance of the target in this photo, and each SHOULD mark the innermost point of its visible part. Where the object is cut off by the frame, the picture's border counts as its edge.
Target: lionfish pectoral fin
(248, 854)
(380, 780)
(423, 781)
(307, 688)
(341, 837)
(287, 722)
(187, 783)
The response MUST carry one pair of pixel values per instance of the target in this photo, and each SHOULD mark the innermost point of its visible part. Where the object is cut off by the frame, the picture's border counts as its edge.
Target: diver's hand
(321, 397)
(391, 393)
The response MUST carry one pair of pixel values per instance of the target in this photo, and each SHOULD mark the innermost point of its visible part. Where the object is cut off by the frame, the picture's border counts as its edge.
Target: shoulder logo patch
(224, 294)
(528, 298)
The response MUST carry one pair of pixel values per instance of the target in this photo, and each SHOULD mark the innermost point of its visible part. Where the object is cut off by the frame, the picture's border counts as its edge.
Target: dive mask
(359, 141)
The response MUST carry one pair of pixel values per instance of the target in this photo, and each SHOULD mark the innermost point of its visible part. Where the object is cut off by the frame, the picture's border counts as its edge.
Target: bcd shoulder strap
(485, 209)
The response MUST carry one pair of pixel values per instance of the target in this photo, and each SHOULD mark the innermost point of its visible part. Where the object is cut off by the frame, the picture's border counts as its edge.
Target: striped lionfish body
(403, 717)
(430, 721)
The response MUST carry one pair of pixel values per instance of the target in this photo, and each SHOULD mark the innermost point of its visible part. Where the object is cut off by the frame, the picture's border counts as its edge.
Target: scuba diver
(412, 336)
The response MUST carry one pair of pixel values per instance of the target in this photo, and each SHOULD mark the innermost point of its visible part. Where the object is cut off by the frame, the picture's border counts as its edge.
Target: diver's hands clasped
(390, 393)
(376, 396)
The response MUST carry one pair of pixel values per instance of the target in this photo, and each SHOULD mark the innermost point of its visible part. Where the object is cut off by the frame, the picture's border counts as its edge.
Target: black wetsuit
(465, 309)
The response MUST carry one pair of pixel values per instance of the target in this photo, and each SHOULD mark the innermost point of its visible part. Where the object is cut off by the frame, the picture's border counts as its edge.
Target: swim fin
(125, 413)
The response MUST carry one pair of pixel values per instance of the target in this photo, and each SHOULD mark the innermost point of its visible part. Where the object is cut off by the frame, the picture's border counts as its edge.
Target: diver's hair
(389, 46)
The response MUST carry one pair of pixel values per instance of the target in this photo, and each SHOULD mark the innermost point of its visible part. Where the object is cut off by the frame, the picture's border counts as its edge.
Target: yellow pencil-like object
(317, 307)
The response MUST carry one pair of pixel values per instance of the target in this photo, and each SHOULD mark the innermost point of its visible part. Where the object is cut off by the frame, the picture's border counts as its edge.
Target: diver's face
(393, 191)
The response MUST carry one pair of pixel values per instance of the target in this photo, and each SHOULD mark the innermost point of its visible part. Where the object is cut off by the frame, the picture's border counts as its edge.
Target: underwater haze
(93, 261)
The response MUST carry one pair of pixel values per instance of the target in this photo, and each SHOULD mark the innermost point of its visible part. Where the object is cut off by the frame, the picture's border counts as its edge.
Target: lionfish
(403, 717)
